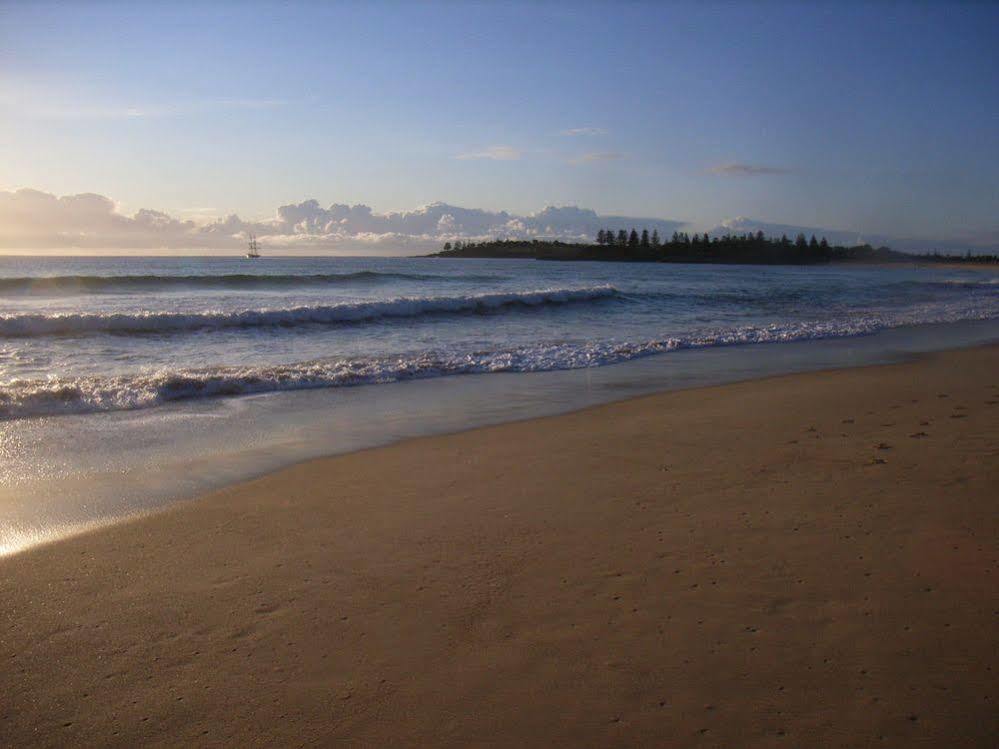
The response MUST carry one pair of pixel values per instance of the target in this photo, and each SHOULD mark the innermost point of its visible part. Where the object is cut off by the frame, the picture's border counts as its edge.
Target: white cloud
(578, 131)
(63, 110)
(197, 213)
(493, 153)
(985, 242)
(589, 158)
(747, 170)
(447, 226)
(35, 221)
(58, 104)
(31, 220)
(746, 225)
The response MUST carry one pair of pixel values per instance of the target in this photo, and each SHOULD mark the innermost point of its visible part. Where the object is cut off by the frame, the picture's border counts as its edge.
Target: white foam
(24, 398)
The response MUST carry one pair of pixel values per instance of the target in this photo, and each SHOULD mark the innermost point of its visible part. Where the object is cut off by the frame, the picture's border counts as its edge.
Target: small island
(751, 249)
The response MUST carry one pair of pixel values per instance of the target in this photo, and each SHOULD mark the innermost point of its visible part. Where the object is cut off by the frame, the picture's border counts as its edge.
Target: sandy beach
(808, 560)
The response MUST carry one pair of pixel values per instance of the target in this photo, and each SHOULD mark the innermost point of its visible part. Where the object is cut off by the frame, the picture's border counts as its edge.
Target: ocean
(129, 382)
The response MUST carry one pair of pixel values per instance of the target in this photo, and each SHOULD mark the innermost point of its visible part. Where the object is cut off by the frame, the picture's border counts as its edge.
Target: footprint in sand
(919, 435)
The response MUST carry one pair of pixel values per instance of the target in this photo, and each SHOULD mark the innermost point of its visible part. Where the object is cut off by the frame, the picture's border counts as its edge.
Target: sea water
(129, 382)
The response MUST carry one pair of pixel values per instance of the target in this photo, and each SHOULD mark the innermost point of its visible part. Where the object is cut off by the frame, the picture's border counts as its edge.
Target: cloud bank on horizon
(33, 220)
(37, 221)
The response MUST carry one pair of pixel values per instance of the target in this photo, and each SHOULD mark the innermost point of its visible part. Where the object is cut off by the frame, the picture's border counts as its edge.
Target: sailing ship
(254, 248)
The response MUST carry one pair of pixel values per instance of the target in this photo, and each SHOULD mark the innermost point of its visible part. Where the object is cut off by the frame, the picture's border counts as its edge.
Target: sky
(875, 119)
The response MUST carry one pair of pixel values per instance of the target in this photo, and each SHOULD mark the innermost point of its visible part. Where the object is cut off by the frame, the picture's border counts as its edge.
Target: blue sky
(874, 117)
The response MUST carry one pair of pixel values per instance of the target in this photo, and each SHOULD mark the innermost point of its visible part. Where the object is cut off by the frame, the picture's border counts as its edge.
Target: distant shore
(743, 250)
(807, 559)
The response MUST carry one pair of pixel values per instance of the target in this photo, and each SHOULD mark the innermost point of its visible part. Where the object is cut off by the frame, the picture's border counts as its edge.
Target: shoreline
(794, 559)
(60, 534)
(152, 478)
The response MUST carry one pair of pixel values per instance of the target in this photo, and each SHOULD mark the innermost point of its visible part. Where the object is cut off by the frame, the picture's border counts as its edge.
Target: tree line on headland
(753, 248)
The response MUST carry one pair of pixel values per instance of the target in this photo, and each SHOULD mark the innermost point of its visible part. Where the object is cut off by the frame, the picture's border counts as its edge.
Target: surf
(34, 325)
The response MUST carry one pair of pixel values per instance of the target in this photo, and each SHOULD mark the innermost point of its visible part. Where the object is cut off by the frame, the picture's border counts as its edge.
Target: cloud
(66, 107)
(578, 131)
(746, 225)
(985, 242)
(36, 221)
(198, 212)
(747, 170)
(493, 153)
(31, 220)
(589, 158)
(95, 112)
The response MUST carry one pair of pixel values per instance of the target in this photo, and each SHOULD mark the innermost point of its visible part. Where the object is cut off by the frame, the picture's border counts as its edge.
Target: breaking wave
(33, 325)
(26, 398)
(56, 285)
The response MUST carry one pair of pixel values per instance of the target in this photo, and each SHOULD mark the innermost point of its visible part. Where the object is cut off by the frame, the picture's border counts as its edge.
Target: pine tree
(622, 238)
(800, 242)
(655, 238)
(447, 246)
(601, 237)
(633, 239)
(645, 238)
(813, 243)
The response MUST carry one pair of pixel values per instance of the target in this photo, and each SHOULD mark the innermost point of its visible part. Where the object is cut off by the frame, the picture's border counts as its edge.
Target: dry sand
(800, 561)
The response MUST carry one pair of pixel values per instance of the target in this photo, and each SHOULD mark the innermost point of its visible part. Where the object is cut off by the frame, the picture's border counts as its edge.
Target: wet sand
(808, 560)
